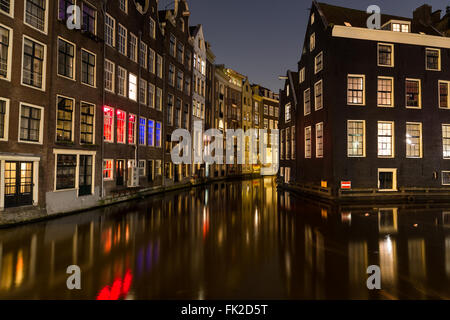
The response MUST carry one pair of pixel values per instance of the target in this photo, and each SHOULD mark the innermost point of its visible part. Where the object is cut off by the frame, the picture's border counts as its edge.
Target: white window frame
(113, 40)
(444, 139)
(308, 155)
(11, 9)
(391, 105)
(318, 154)
(44, 65)
(112, 170)
(420, 94)
(392, 155)
(363, 140)
(113, 126)
(41, 123)
(316, 108)
(125, 123)
(125, 48)
(94, 122)
(134, 40)
(113, 76)
(125, 2)
(312, 42)
(392, 54)
(152, 67)
(45, 31)
(152, 34)
(439, 59)
(74, 59)
(364, 89)
(301, 77)
(143, 85)
(448, 93)
(10, 52)
(442, 178)
(128, 128)
(73, 116)
(305, 113)
(144, 168)
(6, 125)
(136, 86)
(152, 102)
(125, 81)
(316, 69)
(420, 140)
(394, 178)
(95, 68)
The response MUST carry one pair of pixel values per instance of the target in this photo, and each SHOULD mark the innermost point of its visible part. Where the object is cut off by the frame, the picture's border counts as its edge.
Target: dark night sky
(263, 38)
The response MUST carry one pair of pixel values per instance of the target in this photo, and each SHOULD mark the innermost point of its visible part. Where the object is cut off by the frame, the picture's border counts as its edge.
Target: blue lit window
(158, 134)
(142, 130)
(151, 132)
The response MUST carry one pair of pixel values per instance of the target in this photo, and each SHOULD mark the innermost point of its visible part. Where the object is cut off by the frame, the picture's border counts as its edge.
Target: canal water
(231, 240)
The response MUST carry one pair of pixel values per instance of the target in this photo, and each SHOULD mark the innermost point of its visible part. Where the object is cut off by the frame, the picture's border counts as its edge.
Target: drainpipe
(136, 146)
(102, 191)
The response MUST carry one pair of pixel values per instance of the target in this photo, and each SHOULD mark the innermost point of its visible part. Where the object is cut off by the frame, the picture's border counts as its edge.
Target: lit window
(287, 111)
(121, 81)
(282, 139)
(132, 87)
(87, 68)
(318, 95)
(356, 90)
(158, 169)
(133, 47)
(318, 63)
(356, 140)
(35, 14)
(121, 126)
(142, 131)
(308, 142)
(151, 133)
(319, 140)
(293, 143)
(110, 30)
(433, 59)
(33, 63)
(385, 139)
(64, 119)
(87, 123)
(141, 168)
(413, 140)
(444, 99)
(396, 27)
(109, 76)
(302, 75)
(131, 129)
(152, 28)
(108, 124)
(307, 101)
(385, 92)
(122, 40)
(413, 94)
(158, 134)
(108, 169)
(66, 56)
(312, 42)
(405, 28)
(385, 55)
(446, 140)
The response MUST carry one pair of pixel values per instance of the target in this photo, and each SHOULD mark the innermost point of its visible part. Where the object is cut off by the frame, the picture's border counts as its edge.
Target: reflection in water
(231, 240)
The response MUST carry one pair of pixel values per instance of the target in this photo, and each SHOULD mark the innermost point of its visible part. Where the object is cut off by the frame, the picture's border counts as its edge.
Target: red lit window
(108, 123)
(107, 169)
(131, 129)
(121, 116)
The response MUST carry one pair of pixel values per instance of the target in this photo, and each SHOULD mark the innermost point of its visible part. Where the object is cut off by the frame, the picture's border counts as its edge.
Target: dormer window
(398, 26)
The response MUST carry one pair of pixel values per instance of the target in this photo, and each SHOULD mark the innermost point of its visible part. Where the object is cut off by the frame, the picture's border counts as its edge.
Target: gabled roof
(357, 18)
(193, 30)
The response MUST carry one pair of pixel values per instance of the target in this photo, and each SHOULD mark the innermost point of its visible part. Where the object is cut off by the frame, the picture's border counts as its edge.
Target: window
(4, 119)
(170, 109)
(356, 140)
(318, 95)
(271, 111)
(89, 17)
(87, 123)
(385, 55)
(141, 168)
(132, 87)
(356, 90)
(143, 92)
(33, 63)
(307, 101)
(302, 75)
(413, 140)
(64, 119)
(31, 120)
(110, 30)
(158, 99)
(413, 94)
(143, 55)
(180, 80)
(151, 95)
(186, 116)
(433, 59)
(87, 68)
(282, 139)
(312, 18)
(159, 66)
(287, 113)
(385, 92)
(108, 124)
(35, 14)
(5, 53)
(277, 112)
(121, 126)
(445, 178)
(121, 81)
(152, 28)
(319, 140)
(318, 63)
(158, 168)
(123, 5)
(180, 52)
(133, 47)
(187, 85)
(178, 113)
(152, 62)
(66, 59)
(6, 6)
(307, 142)
(151, 133)
(109, 76)
(288, 144)
(172, 75)
(131, 129)
(385, 139)
(122, 40)
(158, 134)
(173, 41)
(108, 169)
(444, 100)
(142, 130)
(387, 179)
(66, 165)
(312, 42)
(446, 140)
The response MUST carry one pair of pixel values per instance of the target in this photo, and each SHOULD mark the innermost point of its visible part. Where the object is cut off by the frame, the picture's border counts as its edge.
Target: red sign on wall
(346, 184)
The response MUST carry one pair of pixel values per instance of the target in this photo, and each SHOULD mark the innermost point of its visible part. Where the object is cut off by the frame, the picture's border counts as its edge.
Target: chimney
(423, 14)
(436, 17)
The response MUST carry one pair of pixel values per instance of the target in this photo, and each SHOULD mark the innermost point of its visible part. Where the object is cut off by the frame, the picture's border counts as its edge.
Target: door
(150, 170)
(85, 175)
(120, 170)
(18, 184)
